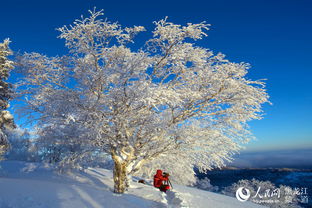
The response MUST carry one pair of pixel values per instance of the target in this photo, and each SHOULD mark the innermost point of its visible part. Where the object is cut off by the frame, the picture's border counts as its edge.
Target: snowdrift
(34, 185)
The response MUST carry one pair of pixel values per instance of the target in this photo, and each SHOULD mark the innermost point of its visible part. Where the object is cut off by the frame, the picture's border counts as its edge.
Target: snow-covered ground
(31, 185)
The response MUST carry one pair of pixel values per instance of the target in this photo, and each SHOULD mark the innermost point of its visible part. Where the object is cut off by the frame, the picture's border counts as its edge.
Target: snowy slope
(33, 185)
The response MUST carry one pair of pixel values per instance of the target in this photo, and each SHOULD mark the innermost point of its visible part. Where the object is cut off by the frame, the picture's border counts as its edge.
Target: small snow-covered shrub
(206, 185)
(22, 147)
(181, 172)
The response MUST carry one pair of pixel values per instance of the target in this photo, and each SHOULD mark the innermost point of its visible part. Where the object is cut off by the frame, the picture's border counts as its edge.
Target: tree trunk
(120, 173)
(119, 177)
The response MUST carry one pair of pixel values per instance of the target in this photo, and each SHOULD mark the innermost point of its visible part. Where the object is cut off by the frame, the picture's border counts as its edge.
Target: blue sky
(273, 36)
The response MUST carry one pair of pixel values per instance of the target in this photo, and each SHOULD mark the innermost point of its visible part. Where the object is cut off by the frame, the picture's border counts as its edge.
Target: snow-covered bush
(181, 172)
(64, 144)
(265, 193)
(206, 185)
(22, 146)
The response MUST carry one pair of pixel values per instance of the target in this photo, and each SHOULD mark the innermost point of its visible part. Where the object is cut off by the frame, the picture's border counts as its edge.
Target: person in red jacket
(161, 181)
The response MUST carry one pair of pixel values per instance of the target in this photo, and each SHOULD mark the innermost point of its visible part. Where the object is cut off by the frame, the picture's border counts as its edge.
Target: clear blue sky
(275, 36)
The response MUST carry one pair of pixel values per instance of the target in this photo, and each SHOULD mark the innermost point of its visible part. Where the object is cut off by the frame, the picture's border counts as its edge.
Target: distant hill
(294, 158)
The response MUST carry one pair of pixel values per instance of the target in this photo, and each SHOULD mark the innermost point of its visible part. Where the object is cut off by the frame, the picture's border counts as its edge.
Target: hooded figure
(161, 181)
(158, 179)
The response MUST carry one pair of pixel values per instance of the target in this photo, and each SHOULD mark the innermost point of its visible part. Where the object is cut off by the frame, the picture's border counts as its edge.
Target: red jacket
(158, 179)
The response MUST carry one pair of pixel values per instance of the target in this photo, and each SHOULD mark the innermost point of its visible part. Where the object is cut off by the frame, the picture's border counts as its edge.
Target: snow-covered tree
(6, 119)
(168, 99)
(22, 146)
